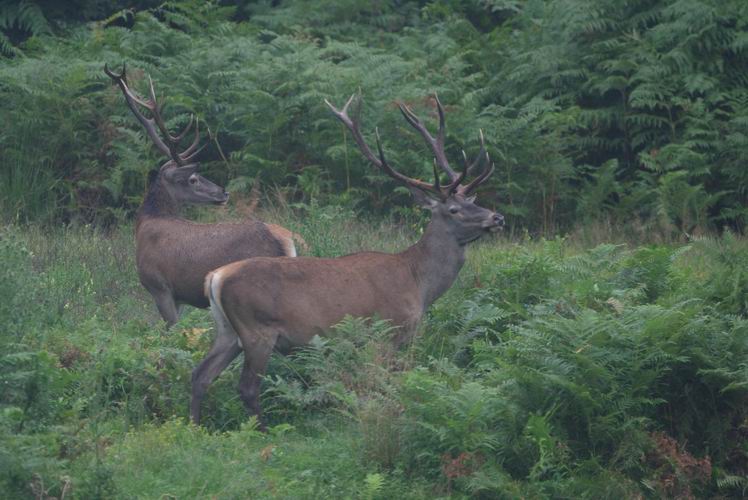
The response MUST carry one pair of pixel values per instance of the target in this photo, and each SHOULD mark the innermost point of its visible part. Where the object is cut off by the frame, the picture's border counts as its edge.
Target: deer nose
(498, 219)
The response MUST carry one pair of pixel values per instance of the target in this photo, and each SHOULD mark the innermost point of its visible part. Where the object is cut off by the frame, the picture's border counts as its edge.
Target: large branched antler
(380, 162)
(435, 143)
(169, 144)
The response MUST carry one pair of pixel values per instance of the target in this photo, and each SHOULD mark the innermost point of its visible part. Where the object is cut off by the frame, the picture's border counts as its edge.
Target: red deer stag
(282, 303)
(173, 255)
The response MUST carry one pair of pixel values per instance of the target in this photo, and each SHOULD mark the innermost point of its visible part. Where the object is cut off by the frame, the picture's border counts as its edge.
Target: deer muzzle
(224, 200)
(495, 223)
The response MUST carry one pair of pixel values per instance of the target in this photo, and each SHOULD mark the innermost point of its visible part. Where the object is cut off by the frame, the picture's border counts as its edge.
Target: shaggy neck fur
(158, 201)
(436, 260)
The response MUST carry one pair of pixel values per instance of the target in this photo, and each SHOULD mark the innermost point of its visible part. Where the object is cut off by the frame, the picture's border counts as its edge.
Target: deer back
(305, 296)
(178, 254)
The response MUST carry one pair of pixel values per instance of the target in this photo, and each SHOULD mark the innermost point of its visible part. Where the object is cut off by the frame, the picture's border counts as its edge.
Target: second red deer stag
(269, 304)
(173, 254)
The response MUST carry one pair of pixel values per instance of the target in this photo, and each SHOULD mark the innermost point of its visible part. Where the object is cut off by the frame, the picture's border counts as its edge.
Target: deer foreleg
(166, 305)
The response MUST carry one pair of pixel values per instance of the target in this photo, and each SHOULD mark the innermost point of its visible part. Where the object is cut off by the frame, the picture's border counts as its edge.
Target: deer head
(179, 174)
(452, 205)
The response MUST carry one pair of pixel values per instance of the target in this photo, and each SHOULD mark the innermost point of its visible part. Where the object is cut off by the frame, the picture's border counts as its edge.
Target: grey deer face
(460, 216)
(187, 186)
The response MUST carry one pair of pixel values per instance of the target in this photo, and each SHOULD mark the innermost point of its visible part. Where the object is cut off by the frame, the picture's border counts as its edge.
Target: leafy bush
(588, 122)
(566, 399)
(340, 371)
(548, 370)
(18, 284)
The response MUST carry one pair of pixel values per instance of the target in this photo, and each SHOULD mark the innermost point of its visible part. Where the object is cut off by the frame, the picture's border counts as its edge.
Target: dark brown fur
(173, 255)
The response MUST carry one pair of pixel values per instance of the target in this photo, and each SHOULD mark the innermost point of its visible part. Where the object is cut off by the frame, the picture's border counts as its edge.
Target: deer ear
(424, 200)
(175, 173)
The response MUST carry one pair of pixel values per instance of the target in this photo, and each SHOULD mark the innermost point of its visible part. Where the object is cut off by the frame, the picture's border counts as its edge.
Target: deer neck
(158, 202)
(435, 260)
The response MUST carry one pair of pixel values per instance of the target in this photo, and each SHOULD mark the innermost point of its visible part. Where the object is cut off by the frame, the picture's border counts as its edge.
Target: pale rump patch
(206, 285)
(290, 248)
(286, 239)
(213, 292)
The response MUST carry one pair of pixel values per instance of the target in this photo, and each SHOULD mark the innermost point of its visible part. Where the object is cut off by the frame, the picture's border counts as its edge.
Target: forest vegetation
(596, 349)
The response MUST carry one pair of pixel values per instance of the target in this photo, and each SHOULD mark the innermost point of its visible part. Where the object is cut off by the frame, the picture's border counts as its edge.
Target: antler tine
(403, 178)
(114, 76)
(353, 126)
(454, 186)
(171, 142)
(193, 150)
(184, 131)
(436, 144)
(466, 190)
(343, 113)
(132, 101)
(437, 182)
(121, 80)
(379, 161)
(480, 157)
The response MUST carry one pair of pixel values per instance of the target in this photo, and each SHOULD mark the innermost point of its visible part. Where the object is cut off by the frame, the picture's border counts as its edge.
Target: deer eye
(193, 180)
(454, 210)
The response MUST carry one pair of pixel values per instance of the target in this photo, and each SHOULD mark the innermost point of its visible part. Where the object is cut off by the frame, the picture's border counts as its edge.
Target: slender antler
(169, 145)
(380, 163)
(466, 190)
(478, 162)
(436, 145)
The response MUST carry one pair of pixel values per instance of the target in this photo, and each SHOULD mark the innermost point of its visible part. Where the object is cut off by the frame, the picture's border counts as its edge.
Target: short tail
(287, 238)
(212, 290)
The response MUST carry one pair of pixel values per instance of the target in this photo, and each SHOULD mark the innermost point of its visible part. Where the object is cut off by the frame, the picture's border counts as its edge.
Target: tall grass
(549, 370)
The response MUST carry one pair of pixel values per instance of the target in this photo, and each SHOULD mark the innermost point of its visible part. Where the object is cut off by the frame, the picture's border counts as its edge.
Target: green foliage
(180, 459)
(16, 282)
(547, 371)
(19, 16)
(25, 458)
(629, 112)
(719, 264)
(564, 398)
(334, 372)
(645, 87)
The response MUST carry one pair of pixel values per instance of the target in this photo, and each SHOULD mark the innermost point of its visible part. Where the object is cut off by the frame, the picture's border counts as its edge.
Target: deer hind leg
(225, 348)
(257, 352)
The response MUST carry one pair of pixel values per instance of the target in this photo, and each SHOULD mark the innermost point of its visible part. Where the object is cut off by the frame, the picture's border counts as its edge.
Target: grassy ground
(551, 369)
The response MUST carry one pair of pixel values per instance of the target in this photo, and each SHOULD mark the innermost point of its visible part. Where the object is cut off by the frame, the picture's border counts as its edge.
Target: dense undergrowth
(579, 367)
(550, 369)
(631, 111)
